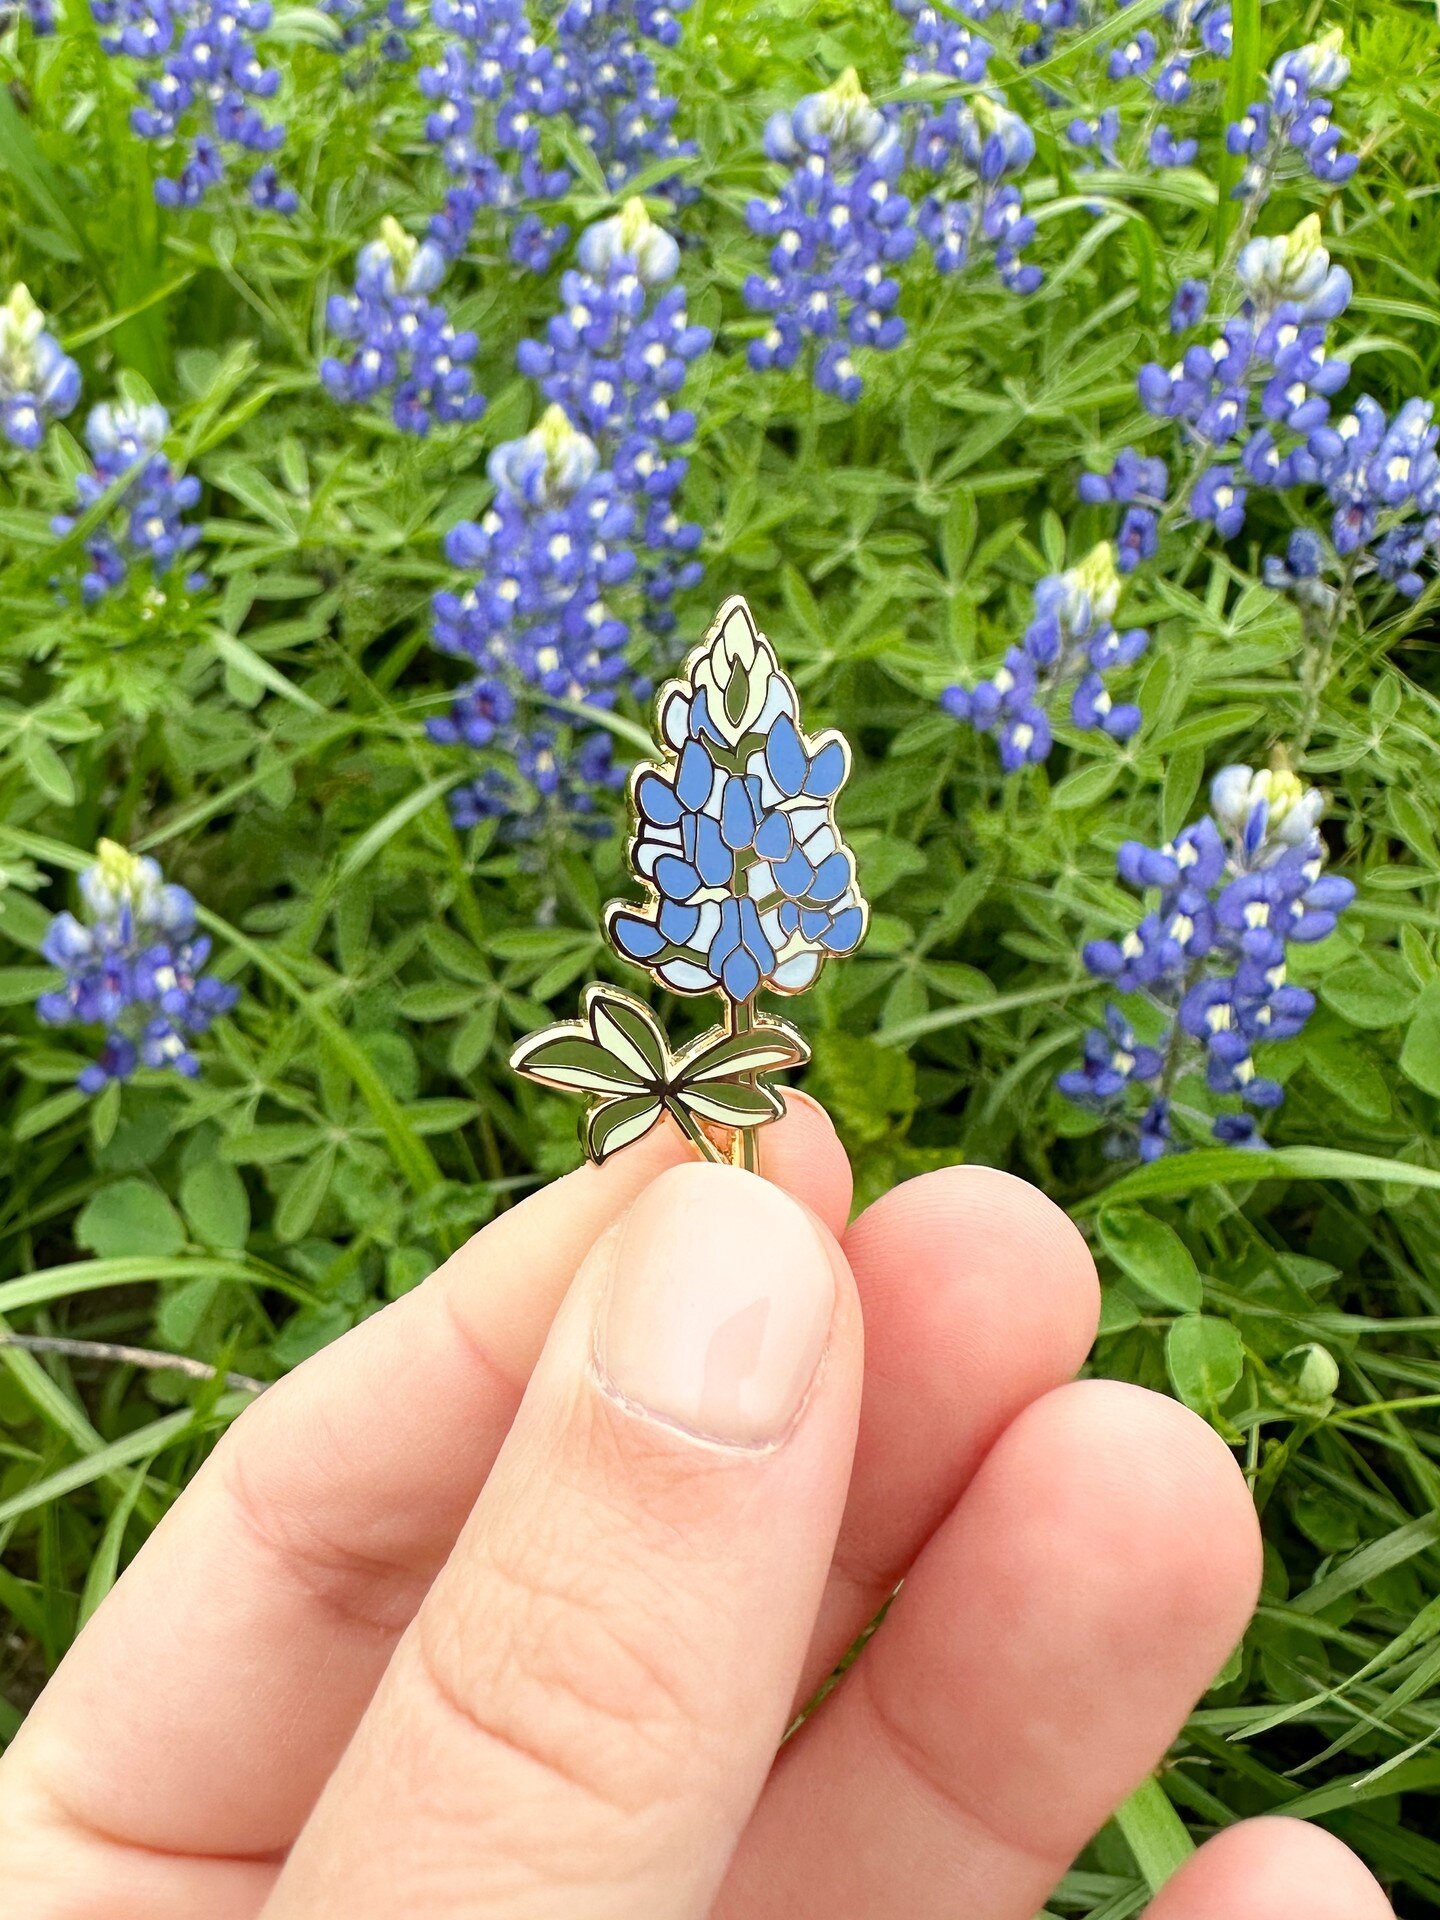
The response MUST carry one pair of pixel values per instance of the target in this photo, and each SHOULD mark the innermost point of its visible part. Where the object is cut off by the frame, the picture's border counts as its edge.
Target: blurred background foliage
(355, 1120)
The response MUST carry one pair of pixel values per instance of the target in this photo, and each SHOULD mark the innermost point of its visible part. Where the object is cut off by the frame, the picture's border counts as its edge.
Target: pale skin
(500, 1606)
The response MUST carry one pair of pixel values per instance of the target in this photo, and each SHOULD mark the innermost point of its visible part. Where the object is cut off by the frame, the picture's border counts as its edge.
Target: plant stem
(126, 1356)
(744, 1148)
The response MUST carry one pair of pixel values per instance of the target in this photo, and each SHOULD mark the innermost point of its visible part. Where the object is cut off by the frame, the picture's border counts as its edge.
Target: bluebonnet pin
(402, 342)
(147, 523)
(134, 967)
(1236, 891)
(749, 886)
(1071, 642)
(201, 77)
(39, 382)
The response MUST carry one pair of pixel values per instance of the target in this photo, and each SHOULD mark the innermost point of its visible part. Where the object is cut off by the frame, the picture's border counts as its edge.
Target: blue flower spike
(748, 886)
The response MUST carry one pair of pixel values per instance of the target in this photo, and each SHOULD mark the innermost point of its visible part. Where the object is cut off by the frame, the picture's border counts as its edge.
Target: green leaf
(1372, 990)
(49, 1113)
(1205, 1357)
(1155, 1834)
(618, 1123)
(129, 1217)
(302, 1199)
(1420, 1055)
(732, 1103)
(1085, 785)
(580, 1066)
(631, 1034)
(215, 1202)
(1152, 1255)
(764, 1049)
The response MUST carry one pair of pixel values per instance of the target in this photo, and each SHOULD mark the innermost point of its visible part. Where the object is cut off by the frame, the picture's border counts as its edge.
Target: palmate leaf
(619, 1056)
(617, 1123)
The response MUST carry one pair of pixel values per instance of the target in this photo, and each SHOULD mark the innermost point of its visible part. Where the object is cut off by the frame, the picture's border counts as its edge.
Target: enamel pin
(748, 885)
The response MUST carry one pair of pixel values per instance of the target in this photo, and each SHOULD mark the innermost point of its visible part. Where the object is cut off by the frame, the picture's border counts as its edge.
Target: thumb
(580, 1719)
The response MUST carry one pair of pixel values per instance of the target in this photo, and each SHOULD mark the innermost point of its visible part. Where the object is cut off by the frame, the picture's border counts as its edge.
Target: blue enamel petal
(785, 757)
(845, 934)
(676, 878)
(637, 939)
(737, 814)
(677, 922)
(794, 874)
(831, 878)
(657, 800)
(827, 771)
(712, 856)
(787, 917)
(694, 776)
(727, 936)
(740, 976)
(774, 837)
(814, 922)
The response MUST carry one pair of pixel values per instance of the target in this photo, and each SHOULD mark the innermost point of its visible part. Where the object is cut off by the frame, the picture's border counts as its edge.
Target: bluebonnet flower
(1187, 309)
(751, 883)
(1251, 400)
(1381, 476)
(1132, 56)
(1296, 117)
(1070, 642)
(38, 381)
(612, 93)
(498, 83)
(380, 24)
(1099, 133)
(536, 621)
(615, 359)
(403, 342)
(840, 226)
(134, 966)
(201, 76)
(490, 94)
(1236, 890)
(148, 522)
(1140, 484)
(973, 146)
(1168, 151)
(41, 15)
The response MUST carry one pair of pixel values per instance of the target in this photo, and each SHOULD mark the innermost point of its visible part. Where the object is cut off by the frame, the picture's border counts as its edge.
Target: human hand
(500, 1606)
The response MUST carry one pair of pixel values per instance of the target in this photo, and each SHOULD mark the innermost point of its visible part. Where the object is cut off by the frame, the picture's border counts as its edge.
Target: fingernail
(718, 1307)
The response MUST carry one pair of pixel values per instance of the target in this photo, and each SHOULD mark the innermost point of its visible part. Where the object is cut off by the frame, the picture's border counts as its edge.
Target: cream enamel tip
(717, 1308)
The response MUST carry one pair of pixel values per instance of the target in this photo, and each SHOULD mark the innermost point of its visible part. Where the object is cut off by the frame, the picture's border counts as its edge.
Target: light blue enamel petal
(687, 976)
(797, 972)
(827, 771)
(737, 814)
(635, 938)
(694, 776)
(753, 934)
(844, 934)
(785, 757)
(657, 800)
(773, 837)
(831, 878)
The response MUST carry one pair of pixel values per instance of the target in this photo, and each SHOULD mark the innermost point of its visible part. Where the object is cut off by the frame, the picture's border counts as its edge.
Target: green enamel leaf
(764, 1050)
(631, 1034)
(732, 1104)
(618, 1123)
(580, 1065)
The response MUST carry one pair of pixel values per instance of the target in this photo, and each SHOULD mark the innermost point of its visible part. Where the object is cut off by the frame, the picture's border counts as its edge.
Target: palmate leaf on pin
(619, 1056)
